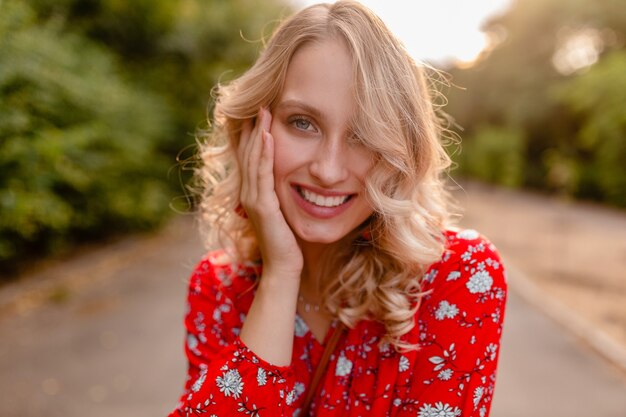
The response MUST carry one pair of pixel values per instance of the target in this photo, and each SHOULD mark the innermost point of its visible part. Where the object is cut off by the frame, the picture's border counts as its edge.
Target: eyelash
(352, 138)
(294, 120)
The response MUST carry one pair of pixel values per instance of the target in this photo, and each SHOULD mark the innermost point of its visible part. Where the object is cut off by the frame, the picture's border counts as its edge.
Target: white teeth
(320, 200)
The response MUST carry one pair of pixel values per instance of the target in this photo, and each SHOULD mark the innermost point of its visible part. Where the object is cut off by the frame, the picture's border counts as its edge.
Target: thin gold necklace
(308, 306)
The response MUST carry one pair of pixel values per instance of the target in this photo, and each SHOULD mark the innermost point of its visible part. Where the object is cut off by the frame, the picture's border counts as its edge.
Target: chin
(319, 236)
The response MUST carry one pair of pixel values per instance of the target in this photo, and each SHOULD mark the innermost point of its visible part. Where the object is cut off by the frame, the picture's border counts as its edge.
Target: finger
(266, 166)
(265, 122)
(256, 144)
(267, 119)
(244, 143)
(248, 146)
(244, 138)
(249, 166)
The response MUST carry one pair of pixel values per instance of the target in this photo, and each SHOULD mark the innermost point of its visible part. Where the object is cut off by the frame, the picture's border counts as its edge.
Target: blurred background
(101, 99)
(98, 99)
(100, 102)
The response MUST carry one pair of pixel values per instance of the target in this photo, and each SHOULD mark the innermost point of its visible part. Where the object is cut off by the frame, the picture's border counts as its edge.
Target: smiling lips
(321, 200)
(327, 205)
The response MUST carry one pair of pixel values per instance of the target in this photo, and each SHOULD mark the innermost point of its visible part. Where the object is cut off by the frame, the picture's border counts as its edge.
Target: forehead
(320, 75)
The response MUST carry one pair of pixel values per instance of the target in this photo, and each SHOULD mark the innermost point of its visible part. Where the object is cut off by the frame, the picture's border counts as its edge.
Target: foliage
(76, 142)
(97, 97)
(598, 99)
(496, 155)
(179, 49)
(553, 73)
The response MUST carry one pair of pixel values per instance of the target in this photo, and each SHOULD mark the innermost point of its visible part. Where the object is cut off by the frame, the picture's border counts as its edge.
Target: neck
(313, 279)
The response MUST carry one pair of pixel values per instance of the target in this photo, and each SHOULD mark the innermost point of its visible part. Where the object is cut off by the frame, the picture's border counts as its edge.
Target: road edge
(598, 340)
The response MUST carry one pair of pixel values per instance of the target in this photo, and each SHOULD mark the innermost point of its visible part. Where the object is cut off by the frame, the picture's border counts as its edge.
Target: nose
(330, 163)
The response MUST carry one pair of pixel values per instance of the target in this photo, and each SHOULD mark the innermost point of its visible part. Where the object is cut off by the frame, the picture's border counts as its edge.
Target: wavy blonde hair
(378, 278)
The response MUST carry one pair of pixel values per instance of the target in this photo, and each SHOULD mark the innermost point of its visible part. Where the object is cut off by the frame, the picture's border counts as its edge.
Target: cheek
(281, 157)
(286, 154)
(362, 163)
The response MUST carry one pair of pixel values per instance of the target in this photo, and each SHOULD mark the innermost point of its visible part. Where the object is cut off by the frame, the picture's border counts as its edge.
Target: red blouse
(458, 328)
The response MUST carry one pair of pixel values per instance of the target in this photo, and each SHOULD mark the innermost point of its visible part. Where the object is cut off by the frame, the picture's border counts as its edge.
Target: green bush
(556, 71)
(97, 98)
(494, 154)
(597, 99)
(178, 49)
(77, 141)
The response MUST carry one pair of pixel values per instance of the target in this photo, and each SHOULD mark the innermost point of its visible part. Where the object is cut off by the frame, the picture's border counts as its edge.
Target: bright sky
(435, 30)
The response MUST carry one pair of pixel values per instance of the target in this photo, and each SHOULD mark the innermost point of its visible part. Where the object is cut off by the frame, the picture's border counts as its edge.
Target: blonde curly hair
(378, 278)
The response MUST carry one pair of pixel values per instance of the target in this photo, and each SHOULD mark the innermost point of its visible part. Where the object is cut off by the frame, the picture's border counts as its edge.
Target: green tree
(597, 99)
(539, 45)
(97, 97)
(179, 49)
(496, 155)
(77, 142)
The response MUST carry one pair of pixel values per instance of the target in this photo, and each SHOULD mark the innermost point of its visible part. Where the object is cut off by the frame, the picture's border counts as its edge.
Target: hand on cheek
(279, 248)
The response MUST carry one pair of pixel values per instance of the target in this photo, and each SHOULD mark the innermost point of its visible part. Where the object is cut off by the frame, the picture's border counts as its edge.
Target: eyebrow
(302, 106)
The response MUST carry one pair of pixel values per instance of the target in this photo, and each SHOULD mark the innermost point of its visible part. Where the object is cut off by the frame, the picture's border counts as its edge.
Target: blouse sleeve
(224, 376)
(460, 324)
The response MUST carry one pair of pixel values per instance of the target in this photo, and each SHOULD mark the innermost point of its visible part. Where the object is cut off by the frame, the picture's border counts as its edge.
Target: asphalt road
(101, 335)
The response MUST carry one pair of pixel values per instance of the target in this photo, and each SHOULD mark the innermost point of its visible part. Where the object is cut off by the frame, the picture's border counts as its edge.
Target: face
(319, 169)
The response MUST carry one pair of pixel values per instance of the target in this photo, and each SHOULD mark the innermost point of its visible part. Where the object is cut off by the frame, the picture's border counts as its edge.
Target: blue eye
(301, 123)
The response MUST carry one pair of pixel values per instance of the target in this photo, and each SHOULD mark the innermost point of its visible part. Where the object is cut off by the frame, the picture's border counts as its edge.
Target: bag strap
(319, 371)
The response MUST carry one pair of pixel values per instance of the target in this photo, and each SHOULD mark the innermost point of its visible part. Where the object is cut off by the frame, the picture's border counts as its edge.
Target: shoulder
(466, 289)
(468, 245)
(469, 260)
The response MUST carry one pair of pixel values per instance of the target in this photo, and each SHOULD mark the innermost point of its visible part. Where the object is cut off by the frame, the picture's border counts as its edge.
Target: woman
(322, 187)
